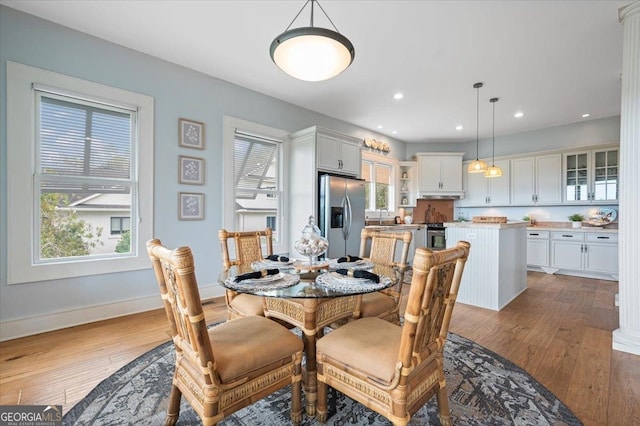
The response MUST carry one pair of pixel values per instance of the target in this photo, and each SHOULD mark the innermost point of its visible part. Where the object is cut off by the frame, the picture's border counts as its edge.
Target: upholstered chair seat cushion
(246, 345)
(374, 304)
(370, 345)
(248, 304)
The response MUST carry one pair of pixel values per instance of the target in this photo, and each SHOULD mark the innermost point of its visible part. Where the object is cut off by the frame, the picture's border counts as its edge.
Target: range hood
(456, 195)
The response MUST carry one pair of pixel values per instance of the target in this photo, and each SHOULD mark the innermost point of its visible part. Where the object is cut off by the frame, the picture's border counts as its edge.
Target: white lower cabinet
(567, 254)
(538, 248)
(585, 254)
(601, 253)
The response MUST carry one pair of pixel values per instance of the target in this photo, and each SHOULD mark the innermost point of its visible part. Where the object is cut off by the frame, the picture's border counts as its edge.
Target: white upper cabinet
(536, 180)
(480, 191)
(439, 173)
(591, 175)
(338, 153)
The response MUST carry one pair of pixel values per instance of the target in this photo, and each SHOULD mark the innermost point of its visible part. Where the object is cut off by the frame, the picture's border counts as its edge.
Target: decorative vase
(576, 224)
(311, 244)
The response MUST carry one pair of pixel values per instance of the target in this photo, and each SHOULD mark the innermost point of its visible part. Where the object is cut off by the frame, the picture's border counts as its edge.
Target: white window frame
(21, 145)
(389, 162)
(230, 125)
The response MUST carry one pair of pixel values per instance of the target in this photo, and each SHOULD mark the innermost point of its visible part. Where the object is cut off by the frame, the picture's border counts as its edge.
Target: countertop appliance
(341, 214)
(436, 239)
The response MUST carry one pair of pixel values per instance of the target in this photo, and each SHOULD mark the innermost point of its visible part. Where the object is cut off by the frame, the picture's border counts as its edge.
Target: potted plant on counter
(576, 220)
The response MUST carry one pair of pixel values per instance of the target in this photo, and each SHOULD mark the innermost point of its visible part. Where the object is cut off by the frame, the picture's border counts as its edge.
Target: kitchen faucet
(380, 216)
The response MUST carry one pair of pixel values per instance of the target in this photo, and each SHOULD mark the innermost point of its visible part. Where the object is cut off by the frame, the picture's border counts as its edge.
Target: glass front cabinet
(591, 176)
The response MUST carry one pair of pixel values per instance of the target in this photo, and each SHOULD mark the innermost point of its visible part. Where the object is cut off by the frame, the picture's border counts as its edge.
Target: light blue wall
(585, 133)
(178, 92)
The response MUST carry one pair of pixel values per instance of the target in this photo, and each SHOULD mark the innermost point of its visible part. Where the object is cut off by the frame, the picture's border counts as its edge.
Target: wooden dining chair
(394, 370)
(247, 248)
(227, 367)
(380, 248)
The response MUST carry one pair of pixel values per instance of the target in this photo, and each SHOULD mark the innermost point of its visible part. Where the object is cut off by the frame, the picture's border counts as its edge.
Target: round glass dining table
(310, 300)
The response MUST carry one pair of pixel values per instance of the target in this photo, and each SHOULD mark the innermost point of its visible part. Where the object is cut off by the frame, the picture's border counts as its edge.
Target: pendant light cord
(493, 145)
(477, 87)
(477, 123)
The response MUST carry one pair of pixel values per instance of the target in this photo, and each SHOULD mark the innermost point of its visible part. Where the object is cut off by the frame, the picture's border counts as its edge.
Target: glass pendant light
(477, 166)
(493, 171)
(312, 53)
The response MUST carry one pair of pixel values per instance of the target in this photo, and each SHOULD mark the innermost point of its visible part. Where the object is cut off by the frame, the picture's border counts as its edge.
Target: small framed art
(191, 133)
(191, 170)
(190, 206)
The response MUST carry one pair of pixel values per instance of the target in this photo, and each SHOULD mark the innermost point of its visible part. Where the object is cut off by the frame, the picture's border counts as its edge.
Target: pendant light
(477, 166)
(493, 171)
(312, 53)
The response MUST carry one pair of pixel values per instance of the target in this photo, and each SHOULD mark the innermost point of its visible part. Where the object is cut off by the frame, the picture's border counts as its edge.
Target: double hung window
(84, 171)
(80, 179)
(379, 190)
(257, 170)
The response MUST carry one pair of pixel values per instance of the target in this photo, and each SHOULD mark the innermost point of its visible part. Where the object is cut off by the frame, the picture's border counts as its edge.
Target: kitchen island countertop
(569, 228)
(398, 227)
(509, 224)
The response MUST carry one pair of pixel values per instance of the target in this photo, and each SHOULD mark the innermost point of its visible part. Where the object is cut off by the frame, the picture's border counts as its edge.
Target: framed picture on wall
(191, 133)
(190, 206)
(191, 170)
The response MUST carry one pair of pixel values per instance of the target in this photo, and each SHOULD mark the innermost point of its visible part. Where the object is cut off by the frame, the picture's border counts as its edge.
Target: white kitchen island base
(496, 270)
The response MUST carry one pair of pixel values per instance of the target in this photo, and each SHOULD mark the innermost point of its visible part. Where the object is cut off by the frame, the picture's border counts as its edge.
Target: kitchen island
(496, 270)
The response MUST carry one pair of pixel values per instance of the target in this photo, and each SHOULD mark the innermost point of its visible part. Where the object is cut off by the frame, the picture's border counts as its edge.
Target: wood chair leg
(296, 402)
(443, 406)
(173, 410)
(321, 409)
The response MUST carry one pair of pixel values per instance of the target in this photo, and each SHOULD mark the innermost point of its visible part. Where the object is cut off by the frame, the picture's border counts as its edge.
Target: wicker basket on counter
(489, 219)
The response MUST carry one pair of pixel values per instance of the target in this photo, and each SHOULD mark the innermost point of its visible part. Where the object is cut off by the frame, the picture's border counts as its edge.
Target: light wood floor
(559, 330)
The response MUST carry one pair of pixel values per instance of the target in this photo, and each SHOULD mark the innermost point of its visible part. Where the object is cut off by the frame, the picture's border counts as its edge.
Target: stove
(435, 225)
(436, 236)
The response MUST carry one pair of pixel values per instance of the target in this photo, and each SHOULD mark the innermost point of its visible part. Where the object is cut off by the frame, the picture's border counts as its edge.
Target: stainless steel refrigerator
(341, 215)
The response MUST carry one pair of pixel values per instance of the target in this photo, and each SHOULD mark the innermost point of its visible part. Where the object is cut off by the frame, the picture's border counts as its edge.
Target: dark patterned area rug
(484, 389)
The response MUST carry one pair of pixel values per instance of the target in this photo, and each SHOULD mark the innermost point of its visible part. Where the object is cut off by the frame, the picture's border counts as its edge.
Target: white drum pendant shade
(311, 53)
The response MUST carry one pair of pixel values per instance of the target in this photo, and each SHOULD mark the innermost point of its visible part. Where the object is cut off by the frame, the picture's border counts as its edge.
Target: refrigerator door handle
(348, 219)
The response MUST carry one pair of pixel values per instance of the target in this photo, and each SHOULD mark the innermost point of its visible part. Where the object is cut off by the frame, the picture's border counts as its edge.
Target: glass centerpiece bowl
(311, 244)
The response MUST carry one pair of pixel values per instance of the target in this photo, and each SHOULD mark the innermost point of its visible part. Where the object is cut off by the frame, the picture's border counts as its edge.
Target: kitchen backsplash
(540, 214)
(430, 211)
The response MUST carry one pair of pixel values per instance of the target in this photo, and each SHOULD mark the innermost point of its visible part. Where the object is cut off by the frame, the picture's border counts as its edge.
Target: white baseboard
(13, 329)
(583, 274)
(626, 341)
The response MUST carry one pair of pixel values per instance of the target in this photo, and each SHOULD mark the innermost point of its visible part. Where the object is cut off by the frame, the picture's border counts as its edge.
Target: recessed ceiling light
(585, 115)
(459, 127)
(398, 96)
(379, 126)
(518, 114)
(395, 132)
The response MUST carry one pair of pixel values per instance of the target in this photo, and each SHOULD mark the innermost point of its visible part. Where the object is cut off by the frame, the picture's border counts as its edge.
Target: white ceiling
(553, 60)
